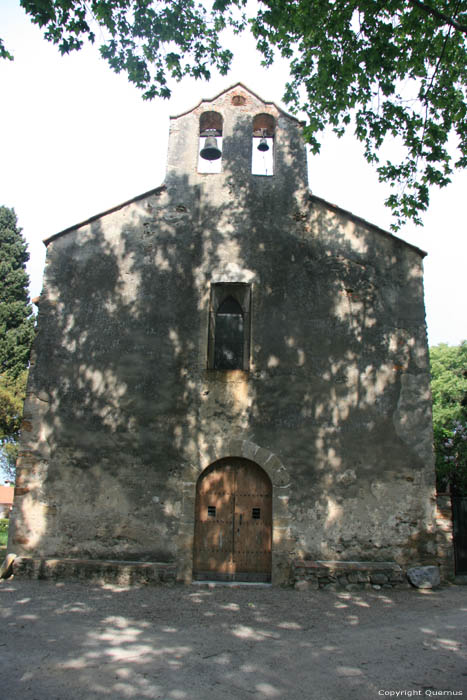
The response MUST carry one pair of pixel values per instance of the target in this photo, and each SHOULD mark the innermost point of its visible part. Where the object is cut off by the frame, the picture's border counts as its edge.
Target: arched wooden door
(233, 522)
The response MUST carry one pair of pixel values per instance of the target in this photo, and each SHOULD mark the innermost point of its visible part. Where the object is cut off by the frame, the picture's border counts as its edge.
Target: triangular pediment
(236, 90)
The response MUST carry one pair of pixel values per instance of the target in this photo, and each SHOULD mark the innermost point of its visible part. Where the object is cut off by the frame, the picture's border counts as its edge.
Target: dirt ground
(70, 641)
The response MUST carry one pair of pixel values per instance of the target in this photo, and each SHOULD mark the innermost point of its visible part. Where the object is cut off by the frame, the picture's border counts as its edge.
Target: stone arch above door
(233, 522)
(263, 457)
(283, 542)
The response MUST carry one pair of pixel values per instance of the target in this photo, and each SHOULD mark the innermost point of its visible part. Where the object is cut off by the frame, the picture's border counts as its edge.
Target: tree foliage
(16, 320)
(449, 391)
(16, 334)
(395, 70)
(12, 394)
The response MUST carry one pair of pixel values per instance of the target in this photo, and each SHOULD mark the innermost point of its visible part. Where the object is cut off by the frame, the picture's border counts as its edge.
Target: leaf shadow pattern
(123, 414)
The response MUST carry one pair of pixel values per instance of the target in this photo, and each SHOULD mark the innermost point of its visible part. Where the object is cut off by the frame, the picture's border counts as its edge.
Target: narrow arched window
(229, 326)
(229, 334)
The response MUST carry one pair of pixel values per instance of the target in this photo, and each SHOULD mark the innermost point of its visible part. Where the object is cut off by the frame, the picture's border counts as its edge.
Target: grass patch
(3, 536)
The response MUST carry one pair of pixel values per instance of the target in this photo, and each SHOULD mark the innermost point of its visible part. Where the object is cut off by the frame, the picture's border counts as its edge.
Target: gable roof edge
(239, 84)
(49, 239)
(360, 219)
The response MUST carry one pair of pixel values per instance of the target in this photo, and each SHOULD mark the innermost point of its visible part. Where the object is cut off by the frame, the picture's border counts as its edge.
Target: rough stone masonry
(126, 407)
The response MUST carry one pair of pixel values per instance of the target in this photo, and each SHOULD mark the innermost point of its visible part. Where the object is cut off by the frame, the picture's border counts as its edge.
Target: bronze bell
(210, 150)
(263, 145)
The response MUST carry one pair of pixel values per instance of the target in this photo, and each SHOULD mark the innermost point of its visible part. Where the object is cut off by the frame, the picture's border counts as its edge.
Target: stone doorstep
(96, 570)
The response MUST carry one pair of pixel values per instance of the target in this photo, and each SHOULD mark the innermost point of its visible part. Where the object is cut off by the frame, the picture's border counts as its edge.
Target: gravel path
(70, 641)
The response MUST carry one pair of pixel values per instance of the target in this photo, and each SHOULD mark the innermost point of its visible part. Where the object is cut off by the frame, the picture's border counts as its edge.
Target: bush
(3, 532)
(449, 390)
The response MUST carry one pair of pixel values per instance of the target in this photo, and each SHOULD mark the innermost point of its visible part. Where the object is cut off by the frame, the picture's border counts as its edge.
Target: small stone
(376, 587)
(302, 585)
(353, 587)
(330, 587)
(364, 578)
(313, 585)
(378, 578)
(396, 577)
(424, 576)
(403, 586)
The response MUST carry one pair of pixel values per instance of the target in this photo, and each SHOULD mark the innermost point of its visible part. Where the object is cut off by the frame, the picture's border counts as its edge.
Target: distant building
(230, 373)
(6, 500)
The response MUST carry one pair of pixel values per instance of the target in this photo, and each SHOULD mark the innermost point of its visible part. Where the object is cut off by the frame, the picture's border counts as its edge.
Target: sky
(78, 139)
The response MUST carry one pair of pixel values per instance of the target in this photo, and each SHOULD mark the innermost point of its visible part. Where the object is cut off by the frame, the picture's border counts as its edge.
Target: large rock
(6, 569)
(424, 576)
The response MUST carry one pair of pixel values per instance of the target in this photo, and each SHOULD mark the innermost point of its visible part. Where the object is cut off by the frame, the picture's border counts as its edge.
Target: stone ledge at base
(348, 575)
(122, 573)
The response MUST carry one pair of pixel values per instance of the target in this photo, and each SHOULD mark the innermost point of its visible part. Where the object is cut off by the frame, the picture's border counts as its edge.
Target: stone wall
(122, 414)
(97, 572)
(348, 575)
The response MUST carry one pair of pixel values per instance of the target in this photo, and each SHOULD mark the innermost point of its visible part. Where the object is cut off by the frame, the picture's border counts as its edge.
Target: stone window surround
(241, 292)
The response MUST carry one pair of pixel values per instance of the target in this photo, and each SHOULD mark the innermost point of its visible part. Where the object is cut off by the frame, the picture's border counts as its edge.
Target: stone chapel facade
(229, 372)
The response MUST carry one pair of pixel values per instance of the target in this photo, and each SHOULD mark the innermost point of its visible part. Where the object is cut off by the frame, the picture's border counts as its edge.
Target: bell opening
(262, 155)
(210, 152)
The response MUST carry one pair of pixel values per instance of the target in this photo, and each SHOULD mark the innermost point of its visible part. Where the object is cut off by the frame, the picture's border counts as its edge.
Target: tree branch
(439, 15)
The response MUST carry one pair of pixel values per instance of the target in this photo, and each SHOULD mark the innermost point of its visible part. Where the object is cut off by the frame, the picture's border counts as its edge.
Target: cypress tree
(16, 334)
(16, 319)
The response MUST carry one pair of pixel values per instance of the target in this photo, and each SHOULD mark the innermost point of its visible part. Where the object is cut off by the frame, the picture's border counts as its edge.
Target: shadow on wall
(123, 413)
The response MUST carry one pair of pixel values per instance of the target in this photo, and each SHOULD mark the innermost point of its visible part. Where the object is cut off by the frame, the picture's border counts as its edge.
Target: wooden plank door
(252, 523)
(233, 523)
(213, 546)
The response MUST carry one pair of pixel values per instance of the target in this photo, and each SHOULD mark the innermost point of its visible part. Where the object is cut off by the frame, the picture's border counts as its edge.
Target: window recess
(229, 326)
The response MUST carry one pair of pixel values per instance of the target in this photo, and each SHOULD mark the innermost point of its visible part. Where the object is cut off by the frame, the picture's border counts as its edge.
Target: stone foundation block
(96, 571)
(349, 575)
